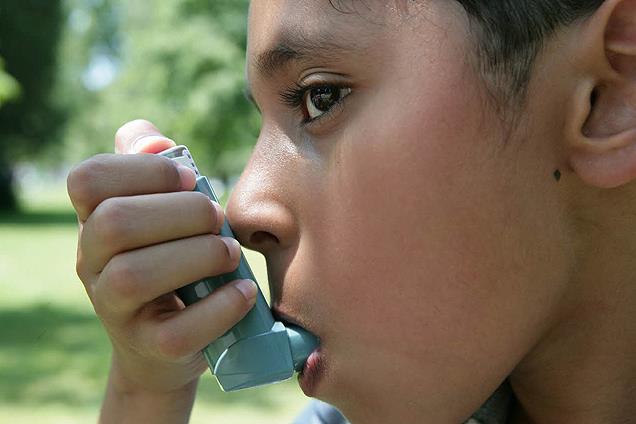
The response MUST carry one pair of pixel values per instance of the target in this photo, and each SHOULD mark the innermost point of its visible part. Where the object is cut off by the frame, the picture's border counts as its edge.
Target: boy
(442, 190)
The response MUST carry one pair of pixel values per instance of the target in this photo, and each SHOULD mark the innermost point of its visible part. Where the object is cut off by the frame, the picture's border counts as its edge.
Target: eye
(315, 101)
(320, 99)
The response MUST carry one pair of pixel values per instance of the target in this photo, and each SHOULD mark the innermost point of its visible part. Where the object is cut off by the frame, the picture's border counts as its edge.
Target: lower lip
(310, 376)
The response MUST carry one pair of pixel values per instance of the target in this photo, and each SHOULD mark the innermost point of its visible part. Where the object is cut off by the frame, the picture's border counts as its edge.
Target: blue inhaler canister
(257, 350)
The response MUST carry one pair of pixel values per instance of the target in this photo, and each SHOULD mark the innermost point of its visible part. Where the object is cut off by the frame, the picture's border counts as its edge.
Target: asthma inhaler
(257, 350)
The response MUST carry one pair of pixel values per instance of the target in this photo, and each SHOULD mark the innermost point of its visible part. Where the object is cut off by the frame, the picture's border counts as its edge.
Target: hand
(142, 234)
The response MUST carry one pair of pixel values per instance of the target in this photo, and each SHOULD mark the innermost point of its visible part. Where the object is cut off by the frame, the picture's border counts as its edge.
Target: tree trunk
(8, 198)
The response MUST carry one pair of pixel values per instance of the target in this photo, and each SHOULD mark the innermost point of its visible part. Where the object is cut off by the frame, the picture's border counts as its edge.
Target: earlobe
(608, 162)
(602, 143)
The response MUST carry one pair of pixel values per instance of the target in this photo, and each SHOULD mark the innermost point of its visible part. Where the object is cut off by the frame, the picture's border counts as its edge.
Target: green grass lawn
(54, 354)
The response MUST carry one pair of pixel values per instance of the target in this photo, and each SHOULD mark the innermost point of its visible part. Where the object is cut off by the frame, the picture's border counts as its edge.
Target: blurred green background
(72, 72)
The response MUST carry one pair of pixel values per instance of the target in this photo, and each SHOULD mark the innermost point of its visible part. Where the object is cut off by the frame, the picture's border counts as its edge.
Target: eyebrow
(298, 46)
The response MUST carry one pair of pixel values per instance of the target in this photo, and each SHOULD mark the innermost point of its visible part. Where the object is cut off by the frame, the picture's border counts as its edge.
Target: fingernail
(247, 288)
(187, 177)
(233, 247)
(152, 144)
(220, 216)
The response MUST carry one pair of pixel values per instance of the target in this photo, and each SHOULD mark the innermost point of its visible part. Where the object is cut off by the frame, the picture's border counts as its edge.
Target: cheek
(413, 200)
(434, 246)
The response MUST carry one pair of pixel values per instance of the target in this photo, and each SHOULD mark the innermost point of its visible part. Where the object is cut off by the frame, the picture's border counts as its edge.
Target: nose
(259, 209)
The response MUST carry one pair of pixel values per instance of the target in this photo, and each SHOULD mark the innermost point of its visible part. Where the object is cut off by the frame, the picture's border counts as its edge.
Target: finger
(86, 277)
(119, 224)
(141, 136)
(132, 279)
(190, 330)
(109, 175)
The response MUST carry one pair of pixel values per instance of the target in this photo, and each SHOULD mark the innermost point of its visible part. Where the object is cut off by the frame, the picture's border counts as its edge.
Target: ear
(602, 140)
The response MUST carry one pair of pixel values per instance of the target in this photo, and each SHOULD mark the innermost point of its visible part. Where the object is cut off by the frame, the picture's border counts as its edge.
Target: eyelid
(317, 79)
(295, 95)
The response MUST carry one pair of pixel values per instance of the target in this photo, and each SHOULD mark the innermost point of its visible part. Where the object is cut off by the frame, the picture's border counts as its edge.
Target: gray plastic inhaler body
(257, 350)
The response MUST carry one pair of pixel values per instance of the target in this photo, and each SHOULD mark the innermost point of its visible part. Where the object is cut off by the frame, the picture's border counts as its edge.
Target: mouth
(288, 319)
(313, 369)
(312, 373)
(283, 317)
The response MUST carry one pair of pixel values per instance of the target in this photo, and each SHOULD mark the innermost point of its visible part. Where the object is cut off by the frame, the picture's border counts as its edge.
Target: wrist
(126, 401)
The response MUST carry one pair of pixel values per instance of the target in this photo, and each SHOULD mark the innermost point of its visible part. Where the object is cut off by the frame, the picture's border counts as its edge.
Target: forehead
(290, 27)
(271, 19)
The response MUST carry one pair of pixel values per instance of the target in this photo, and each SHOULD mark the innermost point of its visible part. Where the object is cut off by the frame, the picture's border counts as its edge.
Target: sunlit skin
(410, 218)
(424, 239)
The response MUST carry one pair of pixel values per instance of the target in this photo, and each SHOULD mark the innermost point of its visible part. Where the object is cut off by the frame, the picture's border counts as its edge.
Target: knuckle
(76, 184)
(102, 305)
(121, 279)
(81, 269)
(109, 222)
(87, 278)
(82, 178)
(171, 344)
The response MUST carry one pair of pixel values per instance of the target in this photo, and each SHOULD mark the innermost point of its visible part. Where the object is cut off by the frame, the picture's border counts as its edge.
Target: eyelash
(295, 97)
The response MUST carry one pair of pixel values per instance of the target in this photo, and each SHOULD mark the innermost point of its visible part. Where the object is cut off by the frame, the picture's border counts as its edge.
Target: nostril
(260, 238)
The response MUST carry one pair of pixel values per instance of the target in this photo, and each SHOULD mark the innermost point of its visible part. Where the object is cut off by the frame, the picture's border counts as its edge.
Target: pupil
(324, 97)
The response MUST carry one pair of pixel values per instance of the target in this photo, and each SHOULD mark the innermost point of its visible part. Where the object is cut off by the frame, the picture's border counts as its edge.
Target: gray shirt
(494, 411)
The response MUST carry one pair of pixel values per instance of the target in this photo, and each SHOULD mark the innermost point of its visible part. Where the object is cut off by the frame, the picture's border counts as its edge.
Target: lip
(312, 373)
(310, 376)
(285, 318)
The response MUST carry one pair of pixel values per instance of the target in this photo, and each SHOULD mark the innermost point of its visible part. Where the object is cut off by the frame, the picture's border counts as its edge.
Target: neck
(583, 370)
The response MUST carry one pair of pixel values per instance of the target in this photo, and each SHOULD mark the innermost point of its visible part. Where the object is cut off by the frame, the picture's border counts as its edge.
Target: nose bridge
(260, 207)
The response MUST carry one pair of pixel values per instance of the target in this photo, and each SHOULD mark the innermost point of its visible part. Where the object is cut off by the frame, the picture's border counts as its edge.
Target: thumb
(140, 136)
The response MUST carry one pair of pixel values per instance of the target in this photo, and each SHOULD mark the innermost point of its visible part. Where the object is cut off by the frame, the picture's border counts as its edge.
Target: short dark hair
(511, 33)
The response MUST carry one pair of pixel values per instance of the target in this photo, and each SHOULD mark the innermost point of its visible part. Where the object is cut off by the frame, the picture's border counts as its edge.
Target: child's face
(407, 228)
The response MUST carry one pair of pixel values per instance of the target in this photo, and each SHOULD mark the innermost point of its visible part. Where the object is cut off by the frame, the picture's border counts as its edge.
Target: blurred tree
(29, 32)
(89, 53)
(9, 87)
(178, 63)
